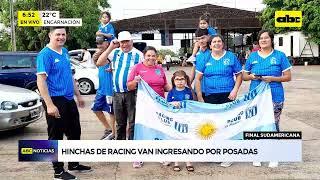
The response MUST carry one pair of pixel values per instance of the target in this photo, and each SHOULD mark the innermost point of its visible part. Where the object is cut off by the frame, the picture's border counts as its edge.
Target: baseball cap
(124, 36)
(201, 32)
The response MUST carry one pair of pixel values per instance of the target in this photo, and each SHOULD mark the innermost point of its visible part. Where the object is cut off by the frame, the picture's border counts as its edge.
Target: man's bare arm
(103, 58)
(52, 110)
(96, 55)
(77, 93)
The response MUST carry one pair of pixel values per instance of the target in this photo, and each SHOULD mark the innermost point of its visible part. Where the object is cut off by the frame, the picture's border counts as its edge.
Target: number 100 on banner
(45, 18)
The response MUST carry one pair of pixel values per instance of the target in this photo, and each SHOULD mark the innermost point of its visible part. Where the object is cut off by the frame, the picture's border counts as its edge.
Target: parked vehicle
(78, 53)
(88, 80)
(175, 60)
(160, 59)
(19, 69)
(297, 47)
(18, 107)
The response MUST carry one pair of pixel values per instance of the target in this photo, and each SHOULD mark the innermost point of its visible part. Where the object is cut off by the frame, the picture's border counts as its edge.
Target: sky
(124, 9)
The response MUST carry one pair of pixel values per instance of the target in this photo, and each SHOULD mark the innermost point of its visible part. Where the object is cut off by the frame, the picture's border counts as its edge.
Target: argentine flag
(156, 119)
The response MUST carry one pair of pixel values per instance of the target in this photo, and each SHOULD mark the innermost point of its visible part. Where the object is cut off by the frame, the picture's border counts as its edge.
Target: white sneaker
(191, 59)
(137, 164)
(273, 164)
(226, 164)
(256, 164)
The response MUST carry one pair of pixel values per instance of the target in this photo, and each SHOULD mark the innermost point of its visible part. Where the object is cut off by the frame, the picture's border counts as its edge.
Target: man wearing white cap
(122, 58)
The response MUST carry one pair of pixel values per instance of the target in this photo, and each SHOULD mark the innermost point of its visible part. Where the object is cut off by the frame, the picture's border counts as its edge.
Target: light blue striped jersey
(57, 67)
(105, 81)
(201, 57)
(122, 64)
(107, 29)
(272, 65)
(218, 74)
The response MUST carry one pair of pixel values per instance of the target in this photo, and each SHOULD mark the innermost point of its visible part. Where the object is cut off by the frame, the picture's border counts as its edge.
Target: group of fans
(217, 76)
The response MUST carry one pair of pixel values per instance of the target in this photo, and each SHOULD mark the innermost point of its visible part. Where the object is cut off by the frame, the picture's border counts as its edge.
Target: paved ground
(301, 113)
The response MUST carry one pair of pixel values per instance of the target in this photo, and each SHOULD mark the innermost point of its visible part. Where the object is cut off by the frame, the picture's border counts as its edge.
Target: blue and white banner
(156, 119)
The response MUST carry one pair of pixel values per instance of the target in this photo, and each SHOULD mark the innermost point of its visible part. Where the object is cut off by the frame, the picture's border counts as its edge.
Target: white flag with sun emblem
(156, 119)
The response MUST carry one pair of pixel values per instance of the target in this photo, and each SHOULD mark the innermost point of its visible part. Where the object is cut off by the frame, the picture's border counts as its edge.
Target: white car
(77, 54)
(175, 60)
(18, 107)
(88, 80)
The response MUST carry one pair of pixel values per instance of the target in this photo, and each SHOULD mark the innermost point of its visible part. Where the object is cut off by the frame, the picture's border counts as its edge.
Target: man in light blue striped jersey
(122, 58)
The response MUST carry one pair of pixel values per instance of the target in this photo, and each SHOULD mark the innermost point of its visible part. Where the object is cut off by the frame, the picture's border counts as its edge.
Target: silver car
(18, 107)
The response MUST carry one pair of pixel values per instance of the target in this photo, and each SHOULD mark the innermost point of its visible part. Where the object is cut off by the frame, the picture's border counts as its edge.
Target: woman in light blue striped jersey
(271, 66)
(221, 76)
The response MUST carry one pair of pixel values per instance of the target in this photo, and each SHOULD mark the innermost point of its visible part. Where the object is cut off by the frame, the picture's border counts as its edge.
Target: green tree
(35, 38)
(181, 51)
(311, 16)
(164, 52)
(4, 40)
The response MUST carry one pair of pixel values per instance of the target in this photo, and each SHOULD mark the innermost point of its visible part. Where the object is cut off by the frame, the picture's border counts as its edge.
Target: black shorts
(217, 98)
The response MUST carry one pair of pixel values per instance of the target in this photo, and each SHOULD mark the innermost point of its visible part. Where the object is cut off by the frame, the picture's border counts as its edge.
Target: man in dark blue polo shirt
(57, 88)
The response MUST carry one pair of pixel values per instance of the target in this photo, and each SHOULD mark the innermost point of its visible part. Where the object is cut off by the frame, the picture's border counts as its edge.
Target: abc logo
(26, 151)
(288, 18)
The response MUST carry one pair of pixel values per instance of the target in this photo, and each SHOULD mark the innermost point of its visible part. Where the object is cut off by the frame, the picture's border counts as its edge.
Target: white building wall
(299, 41)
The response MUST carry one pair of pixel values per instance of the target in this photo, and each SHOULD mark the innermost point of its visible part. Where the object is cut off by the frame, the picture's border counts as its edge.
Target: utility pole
(13, 33)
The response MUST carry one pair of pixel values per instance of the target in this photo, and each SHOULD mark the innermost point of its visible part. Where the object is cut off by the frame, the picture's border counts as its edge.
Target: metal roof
(186, 20)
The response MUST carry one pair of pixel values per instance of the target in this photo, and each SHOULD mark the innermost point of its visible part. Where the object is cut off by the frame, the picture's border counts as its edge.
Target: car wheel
(85, 86)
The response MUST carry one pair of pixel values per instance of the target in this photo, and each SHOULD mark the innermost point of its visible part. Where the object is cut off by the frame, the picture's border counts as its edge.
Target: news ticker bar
(160, 150)
(45, 18)
(252, 135)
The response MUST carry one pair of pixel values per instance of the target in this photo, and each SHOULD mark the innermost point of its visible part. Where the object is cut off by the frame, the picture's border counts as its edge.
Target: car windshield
(17, 62)
(76, 63)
